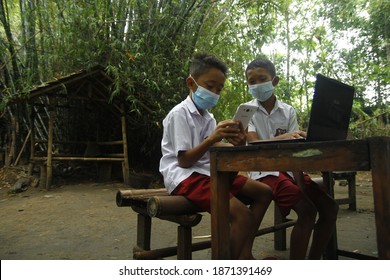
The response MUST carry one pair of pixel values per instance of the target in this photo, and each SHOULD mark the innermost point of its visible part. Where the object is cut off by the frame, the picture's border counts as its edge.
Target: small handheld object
(244, 114)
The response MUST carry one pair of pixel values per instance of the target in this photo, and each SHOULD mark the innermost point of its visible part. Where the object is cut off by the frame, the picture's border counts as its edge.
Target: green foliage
(237, 30)
(369, 123)
(146, 46)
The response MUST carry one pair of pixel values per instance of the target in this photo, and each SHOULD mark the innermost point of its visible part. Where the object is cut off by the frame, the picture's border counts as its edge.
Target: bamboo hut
(75, 119)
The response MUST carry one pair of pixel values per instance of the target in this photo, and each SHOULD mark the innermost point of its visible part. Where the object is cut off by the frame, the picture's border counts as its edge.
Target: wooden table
(352, 155)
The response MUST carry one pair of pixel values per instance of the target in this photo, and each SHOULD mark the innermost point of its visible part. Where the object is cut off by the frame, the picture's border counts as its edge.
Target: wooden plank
(328, 156)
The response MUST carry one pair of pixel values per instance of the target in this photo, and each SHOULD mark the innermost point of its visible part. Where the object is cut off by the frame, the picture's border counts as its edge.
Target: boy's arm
(251, 132)
(291, 135)
(252, 136)
(225, 129)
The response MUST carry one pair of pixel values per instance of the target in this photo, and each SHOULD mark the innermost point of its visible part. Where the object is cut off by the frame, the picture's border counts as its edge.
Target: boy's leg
(327, 215)
(288, 195)
(197, 188)
(241, 222)
(261, 196)
(301, 232)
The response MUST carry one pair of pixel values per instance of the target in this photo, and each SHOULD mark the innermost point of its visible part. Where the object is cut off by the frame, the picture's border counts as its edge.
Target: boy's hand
(292, 135)
(225, 129)
(240, 139)
(299, 179)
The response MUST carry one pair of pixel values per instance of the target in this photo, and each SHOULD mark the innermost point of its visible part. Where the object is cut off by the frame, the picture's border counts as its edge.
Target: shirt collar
(193, 110)
(276, 106)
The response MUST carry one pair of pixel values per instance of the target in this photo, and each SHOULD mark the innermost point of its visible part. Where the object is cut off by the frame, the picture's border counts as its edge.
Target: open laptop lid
(330, 110)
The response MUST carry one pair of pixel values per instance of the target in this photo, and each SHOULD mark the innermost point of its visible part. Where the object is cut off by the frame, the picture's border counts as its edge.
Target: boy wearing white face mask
(275, 119)
(189, 131)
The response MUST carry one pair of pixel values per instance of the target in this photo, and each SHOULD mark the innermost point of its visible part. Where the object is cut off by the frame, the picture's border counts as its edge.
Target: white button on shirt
(184, 129)
(281, 117)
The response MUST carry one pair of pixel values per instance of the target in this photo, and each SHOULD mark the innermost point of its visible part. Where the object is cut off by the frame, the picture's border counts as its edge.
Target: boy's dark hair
(202, 62)
(262, 63)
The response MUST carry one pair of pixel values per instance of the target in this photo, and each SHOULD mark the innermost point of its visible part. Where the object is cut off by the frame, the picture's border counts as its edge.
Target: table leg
(331, 249)
(220, 228)
(380, 169)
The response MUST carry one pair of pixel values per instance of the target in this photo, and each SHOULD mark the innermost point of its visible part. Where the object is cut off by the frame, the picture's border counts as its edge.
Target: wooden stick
(113, 143)
(125, 163)
(49, 167)
(23, 147)
(166, 252)
(79, 158)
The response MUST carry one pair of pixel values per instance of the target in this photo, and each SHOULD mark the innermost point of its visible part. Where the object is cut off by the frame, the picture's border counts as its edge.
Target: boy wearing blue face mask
(275, 119)
(189, 131)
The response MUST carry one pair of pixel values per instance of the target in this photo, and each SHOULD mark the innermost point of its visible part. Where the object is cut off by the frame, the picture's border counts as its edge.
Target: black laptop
(330, 112)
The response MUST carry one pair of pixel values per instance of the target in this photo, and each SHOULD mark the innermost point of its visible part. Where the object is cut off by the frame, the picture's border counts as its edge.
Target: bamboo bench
(157, 203)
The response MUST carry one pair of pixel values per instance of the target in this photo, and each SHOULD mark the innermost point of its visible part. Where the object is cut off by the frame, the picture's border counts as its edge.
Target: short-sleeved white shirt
(282, 117)
(184, 129)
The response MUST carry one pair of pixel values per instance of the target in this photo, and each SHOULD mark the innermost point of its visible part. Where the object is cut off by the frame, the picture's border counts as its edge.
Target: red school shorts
(197, 189)
(287, 193)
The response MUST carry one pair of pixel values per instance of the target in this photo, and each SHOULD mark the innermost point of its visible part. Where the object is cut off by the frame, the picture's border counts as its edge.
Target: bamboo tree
(14, 79)
(146, 46)
(27, 11)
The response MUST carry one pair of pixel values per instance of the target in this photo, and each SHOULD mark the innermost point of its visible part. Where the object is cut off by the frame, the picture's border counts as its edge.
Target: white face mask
(262, 92)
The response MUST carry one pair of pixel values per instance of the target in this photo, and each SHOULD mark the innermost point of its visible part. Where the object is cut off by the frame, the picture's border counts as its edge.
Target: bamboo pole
(127, 197)
(79, 158)
(32, 142)
(108, 143)
(135, 193)
(140, 254)
(125, 164)
(171, 205)
(49, 167)
(23, 147)
(12, 144)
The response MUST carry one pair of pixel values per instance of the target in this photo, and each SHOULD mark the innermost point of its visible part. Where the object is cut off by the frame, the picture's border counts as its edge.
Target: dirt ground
(80, 221)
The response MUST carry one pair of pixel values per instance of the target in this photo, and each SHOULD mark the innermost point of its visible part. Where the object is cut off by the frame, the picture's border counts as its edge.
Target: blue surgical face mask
(262, 92)
(203, 98)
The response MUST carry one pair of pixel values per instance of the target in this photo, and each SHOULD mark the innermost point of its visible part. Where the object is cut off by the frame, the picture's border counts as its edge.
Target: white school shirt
(184, 129)
(282, 117)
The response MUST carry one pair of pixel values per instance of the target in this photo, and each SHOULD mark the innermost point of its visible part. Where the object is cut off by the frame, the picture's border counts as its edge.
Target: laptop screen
(330, 110)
